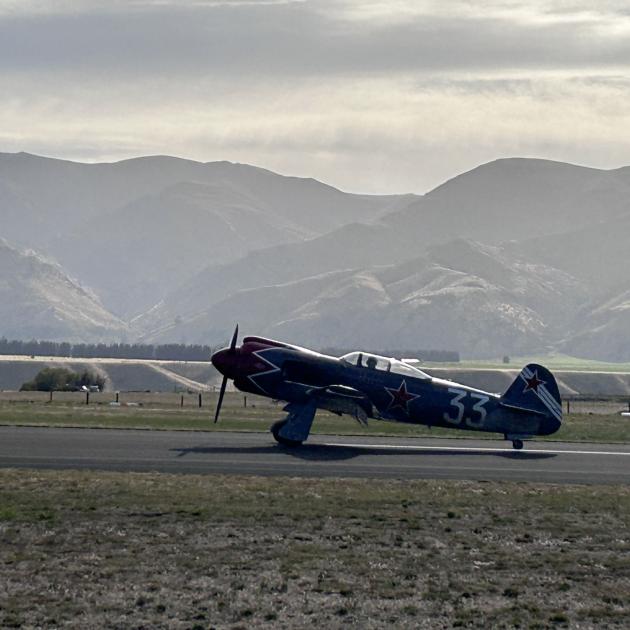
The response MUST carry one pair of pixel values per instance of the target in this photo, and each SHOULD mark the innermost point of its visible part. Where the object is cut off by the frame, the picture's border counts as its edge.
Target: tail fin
(535, 390)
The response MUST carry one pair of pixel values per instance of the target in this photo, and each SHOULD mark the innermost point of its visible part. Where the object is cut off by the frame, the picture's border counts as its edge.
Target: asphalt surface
(322, 456)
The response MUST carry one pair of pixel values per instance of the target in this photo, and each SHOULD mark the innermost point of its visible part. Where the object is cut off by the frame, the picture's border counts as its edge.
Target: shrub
(61, 379)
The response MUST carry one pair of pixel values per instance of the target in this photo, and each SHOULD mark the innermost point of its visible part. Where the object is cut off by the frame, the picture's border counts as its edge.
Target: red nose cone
(226, 361)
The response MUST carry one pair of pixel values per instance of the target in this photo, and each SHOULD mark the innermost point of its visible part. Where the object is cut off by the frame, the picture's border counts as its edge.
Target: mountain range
(515, 256)
(133, 230)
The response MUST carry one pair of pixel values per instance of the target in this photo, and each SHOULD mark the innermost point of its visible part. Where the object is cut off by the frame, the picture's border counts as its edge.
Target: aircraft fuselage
(391, 391)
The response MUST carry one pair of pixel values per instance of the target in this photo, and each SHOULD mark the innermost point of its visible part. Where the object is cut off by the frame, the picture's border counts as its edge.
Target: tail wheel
(275, 431)
(517, 444)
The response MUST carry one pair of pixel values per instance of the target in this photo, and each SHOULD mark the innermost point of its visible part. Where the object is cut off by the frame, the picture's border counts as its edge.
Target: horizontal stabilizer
(522, 409)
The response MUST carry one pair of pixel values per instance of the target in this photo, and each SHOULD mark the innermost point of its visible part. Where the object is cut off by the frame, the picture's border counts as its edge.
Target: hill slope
(53, 194)
(38, 300)
(515, 199)
(465, 296)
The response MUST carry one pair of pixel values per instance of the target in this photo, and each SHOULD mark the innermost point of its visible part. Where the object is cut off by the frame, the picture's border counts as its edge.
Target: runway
(322, 456)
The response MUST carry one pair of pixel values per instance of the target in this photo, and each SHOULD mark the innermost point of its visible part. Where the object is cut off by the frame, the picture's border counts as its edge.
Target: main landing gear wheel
(517, 444)
(275, 431)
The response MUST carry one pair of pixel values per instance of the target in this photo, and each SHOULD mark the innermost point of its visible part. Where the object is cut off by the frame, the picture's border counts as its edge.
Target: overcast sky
(369, 96)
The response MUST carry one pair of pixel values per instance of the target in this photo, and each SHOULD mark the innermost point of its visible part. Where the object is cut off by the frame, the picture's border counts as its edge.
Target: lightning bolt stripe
(274, 368)
(544, 395)
(549, 401)
(541, 390)
(550, 404)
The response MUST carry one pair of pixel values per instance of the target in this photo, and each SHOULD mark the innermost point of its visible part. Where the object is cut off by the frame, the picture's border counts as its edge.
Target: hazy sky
(373, 96)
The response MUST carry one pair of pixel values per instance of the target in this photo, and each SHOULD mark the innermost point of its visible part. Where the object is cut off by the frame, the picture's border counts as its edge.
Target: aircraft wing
(343, 399)
(294, 429)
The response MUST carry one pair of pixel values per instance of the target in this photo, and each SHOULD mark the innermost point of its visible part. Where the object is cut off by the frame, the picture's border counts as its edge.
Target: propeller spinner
(217, 359)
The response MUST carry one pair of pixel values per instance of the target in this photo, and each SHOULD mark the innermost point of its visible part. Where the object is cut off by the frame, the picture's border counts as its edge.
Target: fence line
(198, 400)
(203, 400)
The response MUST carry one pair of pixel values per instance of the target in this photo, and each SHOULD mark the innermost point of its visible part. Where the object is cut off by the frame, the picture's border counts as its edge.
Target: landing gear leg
(517, 444)
(275, 431)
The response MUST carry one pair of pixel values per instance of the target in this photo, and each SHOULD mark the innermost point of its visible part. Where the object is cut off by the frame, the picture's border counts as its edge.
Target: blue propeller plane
(365, 385)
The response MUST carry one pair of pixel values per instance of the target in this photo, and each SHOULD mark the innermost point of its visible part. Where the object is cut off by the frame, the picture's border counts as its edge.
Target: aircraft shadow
(324, 452)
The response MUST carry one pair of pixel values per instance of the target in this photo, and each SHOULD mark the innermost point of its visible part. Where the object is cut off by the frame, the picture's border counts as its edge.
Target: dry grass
(596, 423)
(109, 550)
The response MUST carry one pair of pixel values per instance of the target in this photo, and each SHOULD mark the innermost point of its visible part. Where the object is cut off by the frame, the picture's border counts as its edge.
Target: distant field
(576, 377)
(552, 361)
(96, 550)
(591, 422)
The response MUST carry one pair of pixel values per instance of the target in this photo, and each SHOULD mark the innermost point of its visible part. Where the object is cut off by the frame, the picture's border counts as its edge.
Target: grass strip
(579, 427)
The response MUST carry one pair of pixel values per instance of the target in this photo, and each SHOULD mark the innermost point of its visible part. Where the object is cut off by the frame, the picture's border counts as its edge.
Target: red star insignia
(400, 397)
(533, 383)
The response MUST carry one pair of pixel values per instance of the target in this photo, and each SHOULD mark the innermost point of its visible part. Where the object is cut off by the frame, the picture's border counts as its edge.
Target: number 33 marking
(478, 407)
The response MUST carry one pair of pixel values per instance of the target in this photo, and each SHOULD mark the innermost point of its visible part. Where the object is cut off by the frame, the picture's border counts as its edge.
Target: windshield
(398, 367)
(376, 362)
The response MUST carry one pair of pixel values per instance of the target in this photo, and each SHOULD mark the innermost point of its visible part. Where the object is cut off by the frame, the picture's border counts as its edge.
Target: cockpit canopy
(376, 362)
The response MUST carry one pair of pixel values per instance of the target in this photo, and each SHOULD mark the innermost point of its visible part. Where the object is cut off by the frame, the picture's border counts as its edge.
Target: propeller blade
(225, 378)
(221, 394)
(234, 337)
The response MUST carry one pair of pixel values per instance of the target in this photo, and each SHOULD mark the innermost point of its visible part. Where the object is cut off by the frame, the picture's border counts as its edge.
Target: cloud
(373, 135)
(56, 7)
(367, 95)
(301, 39)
